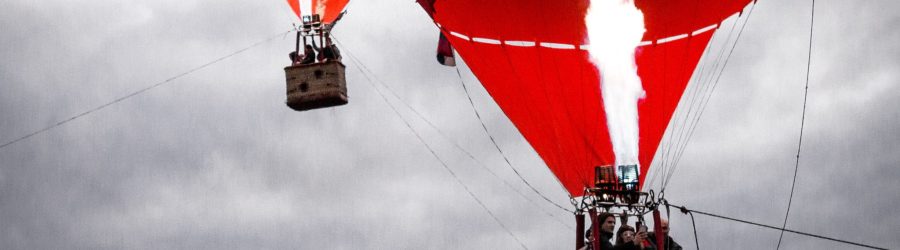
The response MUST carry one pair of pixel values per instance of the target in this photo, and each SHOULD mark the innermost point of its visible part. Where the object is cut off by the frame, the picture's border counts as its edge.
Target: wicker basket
(316, 85)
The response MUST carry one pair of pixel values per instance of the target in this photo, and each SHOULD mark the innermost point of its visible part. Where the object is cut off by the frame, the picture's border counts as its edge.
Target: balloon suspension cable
(363, 70)
(420, 115)
(812, 18)
(693, 224)
(373, 80)
(711, 83)
(497, 146)
(691, 211)
(143, 90)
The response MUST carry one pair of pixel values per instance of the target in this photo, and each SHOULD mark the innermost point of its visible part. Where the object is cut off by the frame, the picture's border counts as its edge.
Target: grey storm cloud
(215, 160)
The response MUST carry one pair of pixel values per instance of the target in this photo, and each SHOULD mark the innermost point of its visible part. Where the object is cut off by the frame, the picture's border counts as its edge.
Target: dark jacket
(309, 56)
(670, 243)
(331, 52)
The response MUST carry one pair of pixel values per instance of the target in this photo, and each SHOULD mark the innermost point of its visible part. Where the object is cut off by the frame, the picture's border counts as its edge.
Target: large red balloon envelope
(530, 56)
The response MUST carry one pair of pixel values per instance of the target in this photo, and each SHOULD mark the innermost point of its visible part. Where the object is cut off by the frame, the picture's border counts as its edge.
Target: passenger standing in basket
(329, 51)
(670, 243)
(309, 55)
(295, 58)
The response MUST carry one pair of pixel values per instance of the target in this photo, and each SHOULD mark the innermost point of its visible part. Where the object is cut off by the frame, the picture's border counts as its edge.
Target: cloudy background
(215, 159)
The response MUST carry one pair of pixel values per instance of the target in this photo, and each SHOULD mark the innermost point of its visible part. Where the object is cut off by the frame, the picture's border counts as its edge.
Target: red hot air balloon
(531, 56)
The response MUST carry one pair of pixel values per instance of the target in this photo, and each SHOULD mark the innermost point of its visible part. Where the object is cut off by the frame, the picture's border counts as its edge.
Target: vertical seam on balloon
(568, 114)
(585, 135)
(552, 115)
(546, 96)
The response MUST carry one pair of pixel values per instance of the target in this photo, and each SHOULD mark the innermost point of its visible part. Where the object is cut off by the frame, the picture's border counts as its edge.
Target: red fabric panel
(295, 6)
(330, 9)
(674, 17)
(553, 96)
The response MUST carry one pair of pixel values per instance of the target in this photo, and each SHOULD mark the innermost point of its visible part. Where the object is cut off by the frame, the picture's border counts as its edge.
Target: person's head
(293, 55)
(308, 47)
(664, 225)
(625, 234)
(608, 222)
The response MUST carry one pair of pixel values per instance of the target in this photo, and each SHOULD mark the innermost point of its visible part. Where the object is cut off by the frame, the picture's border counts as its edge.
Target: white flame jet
(615, 29)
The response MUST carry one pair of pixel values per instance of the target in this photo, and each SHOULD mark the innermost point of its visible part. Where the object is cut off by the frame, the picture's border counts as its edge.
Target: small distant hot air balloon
(316, 81)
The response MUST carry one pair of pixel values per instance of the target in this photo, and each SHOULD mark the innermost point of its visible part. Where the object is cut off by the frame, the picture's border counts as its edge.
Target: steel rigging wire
(363, 69)
(496, 146)
(703, 106)
(466, 152)
(683, 209)
(169, 80)
(802, 122)
(141, 91)
(700, 92)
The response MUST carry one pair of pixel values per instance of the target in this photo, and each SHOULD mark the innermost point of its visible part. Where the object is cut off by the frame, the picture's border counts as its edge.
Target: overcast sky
(215, 160)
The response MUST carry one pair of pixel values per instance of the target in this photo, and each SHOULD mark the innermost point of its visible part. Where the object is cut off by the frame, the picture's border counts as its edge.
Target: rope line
(145, 89)
(672, 135)
(714, 85)
(459, 147)
(684, 54)
(698, 92)
(706, 103)
(430, 149)
(705, 94)
(696, 239)
(777, 228)
(802, 123)
(494, 142)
